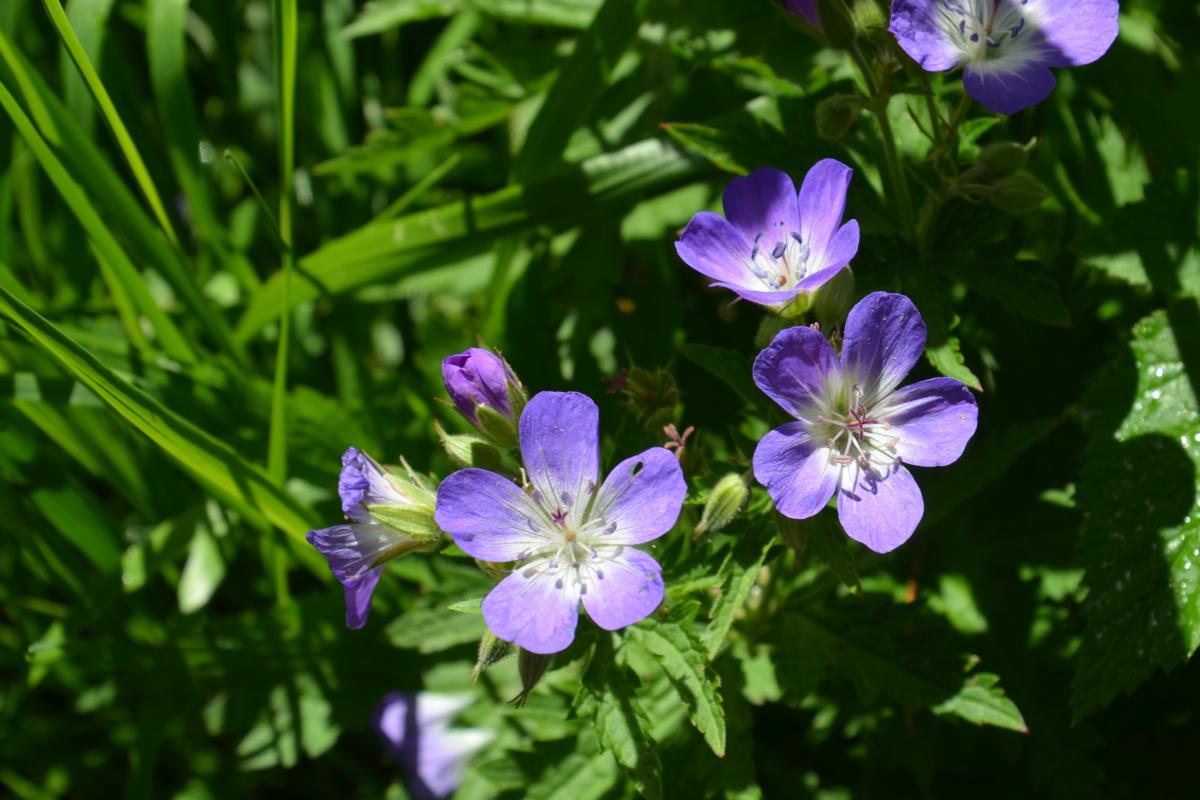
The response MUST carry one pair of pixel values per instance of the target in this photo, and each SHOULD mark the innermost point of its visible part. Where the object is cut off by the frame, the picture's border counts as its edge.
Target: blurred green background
(518, 170)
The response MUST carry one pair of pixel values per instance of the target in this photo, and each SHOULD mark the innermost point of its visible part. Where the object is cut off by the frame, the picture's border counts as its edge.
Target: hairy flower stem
(898, 179)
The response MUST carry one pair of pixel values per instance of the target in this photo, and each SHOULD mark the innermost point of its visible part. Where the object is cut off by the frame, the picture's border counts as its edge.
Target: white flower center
(998, 33)
(856, 437)
(571, 548)
(782, 265)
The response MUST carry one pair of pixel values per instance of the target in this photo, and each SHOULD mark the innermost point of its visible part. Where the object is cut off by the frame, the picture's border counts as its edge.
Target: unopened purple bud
(486, 392)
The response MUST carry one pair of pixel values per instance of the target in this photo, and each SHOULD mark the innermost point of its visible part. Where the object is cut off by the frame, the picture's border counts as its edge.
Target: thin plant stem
(897, 178)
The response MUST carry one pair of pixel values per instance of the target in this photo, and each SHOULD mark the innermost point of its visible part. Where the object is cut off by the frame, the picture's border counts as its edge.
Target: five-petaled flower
(572, 538)
(1005, 47)
(772, 245)
(389, 516)
(416, 732)
(854, 429)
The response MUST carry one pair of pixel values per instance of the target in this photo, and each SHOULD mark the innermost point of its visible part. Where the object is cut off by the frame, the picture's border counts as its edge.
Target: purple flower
(388, 517)
(475, 378)
(572, 537)
(1005, 46)
(772, 245)
(805, 9)
(854, 429)
(416, 732)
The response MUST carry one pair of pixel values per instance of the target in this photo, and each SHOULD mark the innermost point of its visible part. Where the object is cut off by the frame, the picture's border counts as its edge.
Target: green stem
(285, 53)
(897, 178)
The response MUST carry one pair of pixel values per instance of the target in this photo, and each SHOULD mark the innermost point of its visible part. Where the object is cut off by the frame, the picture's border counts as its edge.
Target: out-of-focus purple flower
(571, 537)
(772, 245)
(1005, 47)
(416, 732)
(854, 429)
(388, 516)
(805, 9)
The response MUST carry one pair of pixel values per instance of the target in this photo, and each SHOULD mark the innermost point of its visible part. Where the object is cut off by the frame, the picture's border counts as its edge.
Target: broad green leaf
(387, 250)
(210, 462)
(982, 701)
(729, 366)
(685, 660)
(202, 572)
(889, 653)
(432, 630)
(754, 537)
(607, 697)
(586, 774)
(580, 81)
(79, 518)
(1140, 539)
(378, 16)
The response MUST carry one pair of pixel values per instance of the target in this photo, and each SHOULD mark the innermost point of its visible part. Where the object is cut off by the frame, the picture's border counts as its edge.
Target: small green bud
(492, 650)
(416, 522)
(531, 667)
(837, 114)
(1019, 194)
(724, 503)
(838, 23)
(496, 426)
(1003, 158)
(468, 450)
(832, 301)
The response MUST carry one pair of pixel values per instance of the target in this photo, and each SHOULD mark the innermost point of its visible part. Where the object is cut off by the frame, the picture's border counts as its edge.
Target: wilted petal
(359, 592)
(489, 516)
(1009, 90)
(884, 338)
(560, 446)
(881, 512)
(363, 483)
(822, 204)
(795, 470)
(1076, 32)
(933, 420)
(762, 207)
(641, 498)
(536, 608)
(916, 26)
(797, 370)
(624, 586)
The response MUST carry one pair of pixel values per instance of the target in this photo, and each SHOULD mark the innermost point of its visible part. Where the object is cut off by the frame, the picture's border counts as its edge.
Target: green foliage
(237, 238)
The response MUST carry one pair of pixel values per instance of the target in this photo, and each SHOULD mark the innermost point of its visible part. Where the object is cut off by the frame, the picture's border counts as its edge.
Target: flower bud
(492, 650)
(1003, 158)
(468, 450)
(805, 10)
(724, 503)
(531, 667)
(832, 301)
(486, 392)
(837, 22)
(837, 114)
(1019, 194)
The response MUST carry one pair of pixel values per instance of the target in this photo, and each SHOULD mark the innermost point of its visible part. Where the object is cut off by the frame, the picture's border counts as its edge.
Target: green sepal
(496, 426)
(416, 522)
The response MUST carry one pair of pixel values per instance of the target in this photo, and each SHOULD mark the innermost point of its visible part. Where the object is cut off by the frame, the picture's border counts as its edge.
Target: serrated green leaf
(684, 659)
(583, 775)
(982, 701)
(755, 536)
(1140, 539)
(607, 697)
